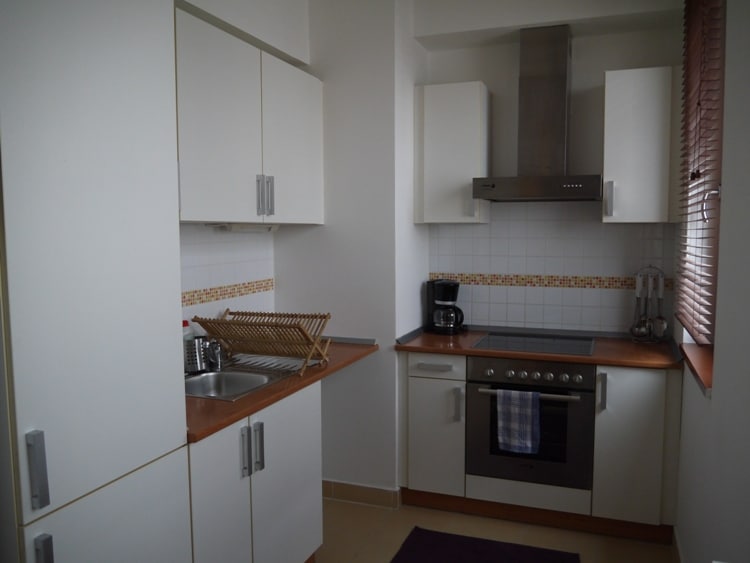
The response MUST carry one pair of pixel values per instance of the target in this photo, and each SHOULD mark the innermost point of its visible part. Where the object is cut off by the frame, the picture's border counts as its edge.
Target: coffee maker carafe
(442, 315)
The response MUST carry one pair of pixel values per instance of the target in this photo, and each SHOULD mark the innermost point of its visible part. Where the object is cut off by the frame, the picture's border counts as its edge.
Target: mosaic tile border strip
(541, 280)
(200, 296)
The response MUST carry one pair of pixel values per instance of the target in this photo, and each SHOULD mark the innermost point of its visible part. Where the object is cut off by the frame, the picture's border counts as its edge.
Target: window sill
(700, 360)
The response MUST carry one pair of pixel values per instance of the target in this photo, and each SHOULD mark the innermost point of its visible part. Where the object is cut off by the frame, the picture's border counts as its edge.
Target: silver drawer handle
(434, 367)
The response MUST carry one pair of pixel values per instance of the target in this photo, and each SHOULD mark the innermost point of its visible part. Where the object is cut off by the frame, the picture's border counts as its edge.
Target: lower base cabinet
(255, 486)
(143, 516)
(629, 444)
(437, 423)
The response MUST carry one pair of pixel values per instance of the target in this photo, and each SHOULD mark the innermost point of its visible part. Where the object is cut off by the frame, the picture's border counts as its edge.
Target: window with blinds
(702, 116)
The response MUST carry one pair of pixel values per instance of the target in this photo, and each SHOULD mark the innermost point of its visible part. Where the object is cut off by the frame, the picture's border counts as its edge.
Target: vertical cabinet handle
(459, 395)
(43, 552)
(259, 454)
(260, 194)
(609, 198)
(37, 457)
(246, 445)
(602, 387)
(270, 196)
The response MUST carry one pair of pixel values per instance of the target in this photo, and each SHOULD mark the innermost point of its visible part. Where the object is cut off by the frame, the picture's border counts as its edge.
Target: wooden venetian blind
(703, 99)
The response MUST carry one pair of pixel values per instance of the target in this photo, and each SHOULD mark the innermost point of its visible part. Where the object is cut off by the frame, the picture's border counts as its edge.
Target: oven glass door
(565, 456)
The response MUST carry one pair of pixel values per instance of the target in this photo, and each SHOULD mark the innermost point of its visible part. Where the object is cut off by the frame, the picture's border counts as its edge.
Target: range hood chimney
(543, 100)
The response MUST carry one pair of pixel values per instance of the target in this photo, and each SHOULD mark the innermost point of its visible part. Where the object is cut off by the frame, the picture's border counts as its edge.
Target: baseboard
(361, 494)
(542, 517)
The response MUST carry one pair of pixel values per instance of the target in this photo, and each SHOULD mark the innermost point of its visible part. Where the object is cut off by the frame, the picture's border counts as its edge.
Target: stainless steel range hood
(543, 100)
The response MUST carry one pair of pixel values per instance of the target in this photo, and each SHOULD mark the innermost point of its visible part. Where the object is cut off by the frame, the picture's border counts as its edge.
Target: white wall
(714, 490)
(347, 266)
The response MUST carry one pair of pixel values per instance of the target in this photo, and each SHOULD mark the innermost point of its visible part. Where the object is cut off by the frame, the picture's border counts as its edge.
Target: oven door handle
(545, 396)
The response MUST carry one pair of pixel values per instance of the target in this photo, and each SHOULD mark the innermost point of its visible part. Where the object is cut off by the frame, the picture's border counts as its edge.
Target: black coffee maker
(441, 314)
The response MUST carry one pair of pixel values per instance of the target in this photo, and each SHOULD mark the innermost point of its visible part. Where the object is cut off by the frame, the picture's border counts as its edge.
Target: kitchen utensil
(640, 327)
(660, 323)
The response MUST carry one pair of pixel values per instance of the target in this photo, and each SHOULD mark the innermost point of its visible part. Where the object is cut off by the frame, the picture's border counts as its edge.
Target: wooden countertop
(614, 351)
(206, 416)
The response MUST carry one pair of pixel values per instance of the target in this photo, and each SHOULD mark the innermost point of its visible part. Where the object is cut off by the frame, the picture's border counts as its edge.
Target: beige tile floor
(358, 533)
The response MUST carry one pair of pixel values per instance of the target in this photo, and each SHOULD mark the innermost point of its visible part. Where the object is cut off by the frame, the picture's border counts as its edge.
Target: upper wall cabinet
(281, 24)
(640, 137)
(250, 131)
(451, 149)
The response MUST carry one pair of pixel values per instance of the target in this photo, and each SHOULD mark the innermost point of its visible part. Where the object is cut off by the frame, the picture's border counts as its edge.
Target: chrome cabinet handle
(270, 196)
(434, 367)
(259, 454)
(43, 551)
(37, 457)
(246, 445)
(260, 196)
(602, 387)
(609, 198)
(459, 395)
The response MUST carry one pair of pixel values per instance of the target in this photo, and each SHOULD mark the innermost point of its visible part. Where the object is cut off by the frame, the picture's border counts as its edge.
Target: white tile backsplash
(212, 258)
(551, 239)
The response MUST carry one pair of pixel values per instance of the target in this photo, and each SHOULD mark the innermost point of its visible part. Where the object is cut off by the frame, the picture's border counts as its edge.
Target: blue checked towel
(518, 421)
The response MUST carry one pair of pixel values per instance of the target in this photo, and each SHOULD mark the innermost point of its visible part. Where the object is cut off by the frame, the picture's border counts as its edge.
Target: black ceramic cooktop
(543, 344)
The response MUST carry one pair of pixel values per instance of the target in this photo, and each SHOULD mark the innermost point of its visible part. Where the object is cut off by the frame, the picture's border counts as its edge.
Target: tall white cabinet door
(629, 444)
(293, 141)
(220, 498)
(93, 276)
(436, 435)
(219, 123)
(287, 495)
(145, 516)
(455, 149)
(637, 144)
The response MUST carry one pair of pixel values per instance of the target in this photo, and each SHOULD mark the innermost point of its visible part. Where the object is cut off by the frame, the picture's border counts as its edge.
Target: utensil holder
(195, 355)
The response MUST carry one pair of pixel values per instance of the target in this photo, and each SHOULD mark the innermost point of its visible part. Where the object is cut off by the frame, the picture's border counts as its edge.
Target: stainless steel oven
(565, 455)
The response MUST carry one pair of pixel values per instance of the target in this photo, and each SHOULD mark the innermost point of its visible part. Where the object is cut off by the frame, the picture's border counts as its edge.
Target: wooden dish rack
(289, 335)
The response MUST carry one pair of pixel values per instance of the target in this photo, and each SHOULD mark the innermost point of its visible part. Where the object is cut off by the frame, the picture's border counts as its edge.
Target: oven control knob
(578, 378)
(523, 374)
(510, 374)
(489, 372)
(564, 378)
(536, 376)
(549, 376)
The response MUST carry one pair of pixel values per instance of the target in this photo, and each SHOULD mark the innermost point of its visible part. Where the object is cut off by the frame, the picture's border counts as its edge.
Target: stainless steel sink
(224, 385)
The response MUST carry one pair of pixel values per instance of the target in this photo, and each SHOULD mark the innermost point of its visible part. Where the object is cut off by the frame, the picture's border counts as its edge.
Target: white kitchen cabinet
(274, 514)
(638, 137)
(452, 149)
(293, 141)
(250, 131)
(91, 307)
(287, 496)
(219, 123)
(629, 444)
(220, 498)
(282, 24)
(437, 390)
(144, 516)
